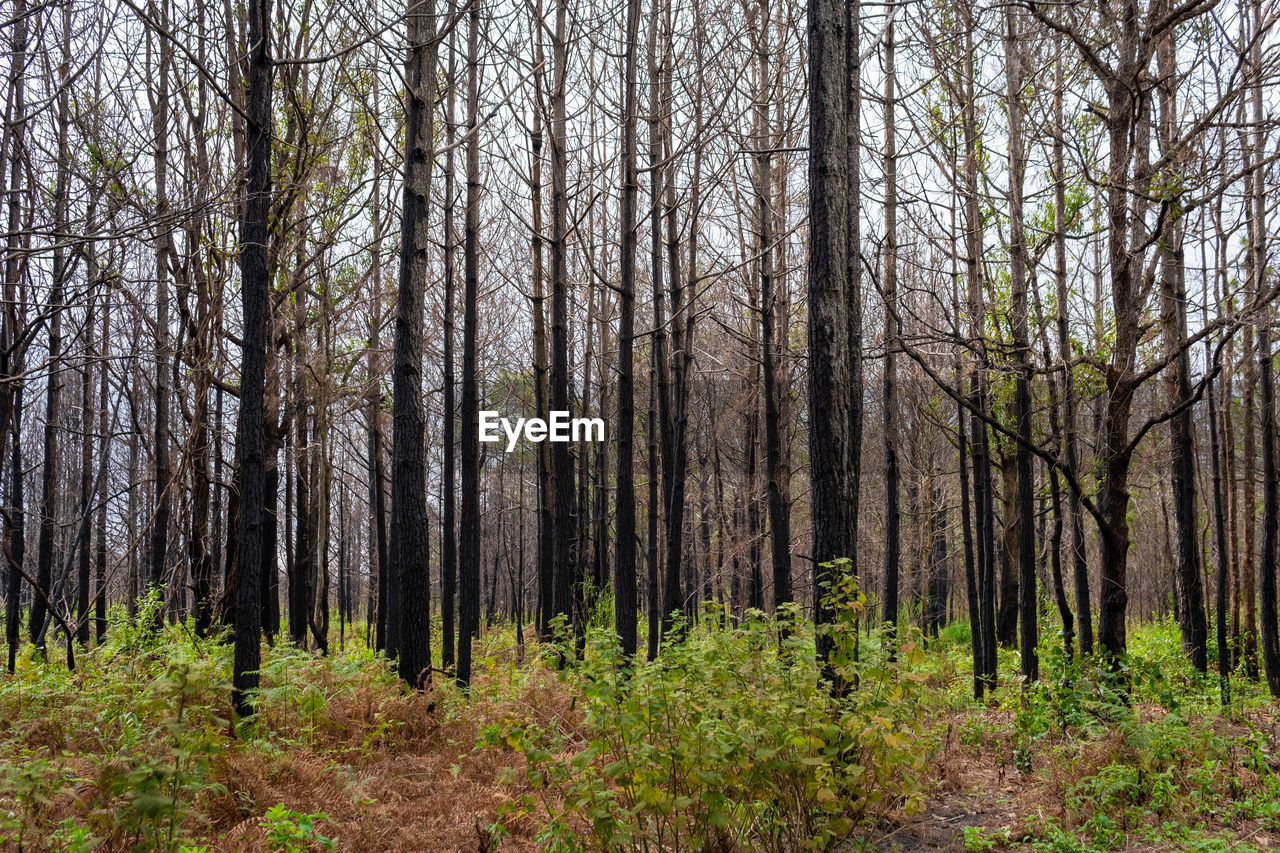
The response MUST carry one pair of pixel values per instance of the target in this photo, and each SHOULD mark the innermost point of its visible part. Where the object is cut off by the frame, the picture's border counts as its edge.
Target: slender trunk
(1257, 266)
(469, 565)
(982, 484)
(1219, 501)
(1173, 322)
(252, 439)
(563, 510)
(1070, 440)
(853, 275)
(86, 477)
(1028, 617)
(164, 249)
(779, 502)
(13, 319)
(409, 587)
(449, 498)
(545, 534)
(892, 514)
(1270, 512)
(624, 579)
(1249, 501)
(828, 307)
(651, 535)
(50, 468)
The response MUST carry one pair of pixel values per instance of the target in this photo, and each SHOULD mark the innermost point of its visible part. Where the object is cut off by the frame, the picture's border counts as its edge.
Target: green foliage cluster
(293, 832)
(131, 743)
(1138, 754)
(728, 741)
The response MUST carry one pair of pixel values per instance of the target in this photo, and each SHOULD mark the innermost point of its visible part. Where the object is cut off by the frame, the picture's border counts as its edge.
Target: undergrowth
(729, 741)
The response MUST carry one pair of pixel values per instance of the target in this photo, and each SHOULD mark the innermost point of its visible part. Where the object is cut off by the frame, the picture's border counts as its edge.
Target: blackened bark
(853, 272)
(1270, 513)
(651, 537)
(892, 513)
(378, 500)
(1028, 615)
(1070, 442)
(10, 355)
(563, 509)
(984, 530)
(449, 497)
(252, 432)
(409, 589)
(1219, 516)
(828, 305)
(624, 579)
(86, 480)
(545, 534)
(770, 348)
(50, 468)
(15, 530)
(469, 565)
(1173, 322)
(970, 575)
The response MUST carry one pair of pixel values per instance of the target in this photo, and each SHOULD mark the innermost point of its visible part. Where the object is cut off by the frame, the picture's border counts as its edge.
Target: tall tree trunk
(1029, 633)
(653, 607)
(779, 502)
(49, 471)
(889, 406)
(853, 275)
(12, 320)
(86, 476)
(1070, 440)
(545, 534)
(1173, 323)
(409, 587)
(828, 307)
(1219, 500)
(1010, 545)
(378, 520)
(1256, 265)
(164, 250)
(449, 498)
(469, 567)
(624, 579)
(1270, 512)
(252, 433)
(373, 415)
(1249, 502)
(563, 509)
(980, 442)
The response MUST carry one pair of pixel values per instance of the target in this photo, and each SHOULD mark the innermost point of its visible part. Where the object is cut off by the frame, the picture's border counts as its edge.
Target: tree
(469, 567)
(409, 589)
(251, 435)
(828, 303)
(624, 578)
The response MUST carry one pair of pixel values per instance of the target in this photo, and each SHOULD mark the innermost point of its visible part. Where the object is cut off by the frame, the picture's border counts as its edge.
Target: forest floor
(134, 751)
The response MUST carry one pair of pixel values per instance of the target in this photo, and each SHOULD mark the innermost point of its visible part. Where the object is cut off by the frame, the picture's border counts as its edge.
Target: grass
(725, 743)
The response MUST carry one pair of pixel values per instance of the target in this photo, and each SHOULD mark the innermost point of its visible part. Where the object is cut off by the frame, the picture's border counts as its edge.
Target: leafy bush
(728, 740)
(293, 832)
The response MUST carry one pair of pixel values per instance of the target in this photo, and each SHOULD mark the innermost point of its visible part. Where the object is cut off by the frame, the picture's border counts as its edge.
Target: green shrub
(727, 740)
(293, 832)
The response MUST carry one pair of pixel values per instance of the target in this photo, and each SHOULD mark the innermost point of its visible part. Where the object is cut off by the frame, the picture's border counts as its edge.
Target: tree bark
(624, 578)
(469, 565)
(828, 308)
(251, 434)
(409, 588)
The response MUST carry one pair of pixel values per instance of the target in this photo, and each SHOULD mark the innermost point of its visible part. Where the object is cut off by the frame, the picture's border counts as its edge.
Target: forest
(644, 425)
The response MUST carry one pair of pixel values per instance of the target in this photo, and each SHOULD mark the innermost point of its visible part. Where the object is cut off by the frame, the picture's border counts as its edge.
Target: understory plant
(729, 740)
